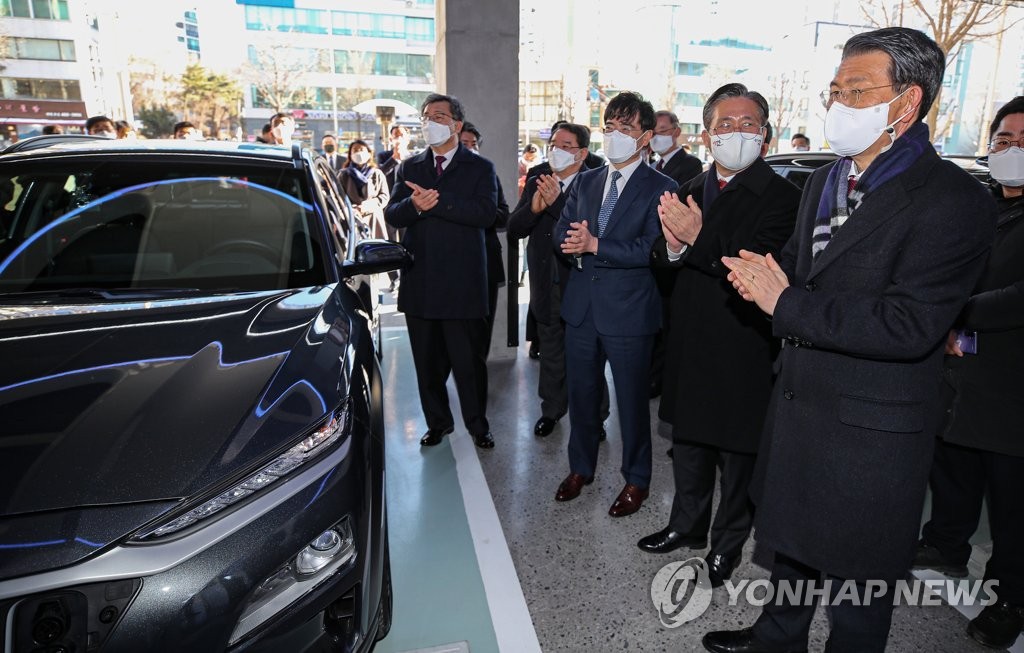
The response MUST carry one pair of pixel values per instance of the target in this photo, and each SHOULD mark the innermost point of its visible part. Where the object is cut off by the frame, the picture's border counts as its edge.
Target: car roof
(64, 145)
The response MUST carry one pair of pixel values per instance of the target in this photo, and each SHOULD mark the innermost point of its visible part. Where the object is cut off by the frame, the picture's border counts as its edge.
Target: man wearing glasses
(719, 348)
(445, 197)
(889, 242)
(611, 305)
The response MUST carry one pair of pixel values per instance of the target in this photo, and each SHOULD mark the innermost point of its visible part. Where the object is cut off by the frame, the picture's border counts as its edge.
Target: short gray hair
(730, 91)
(458, 113)
(914, 59)
(673, 119)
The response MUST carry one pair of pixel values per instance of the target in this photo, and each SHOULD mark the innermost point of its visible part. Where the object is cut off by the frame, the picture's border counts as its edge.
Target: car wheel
(384, 610)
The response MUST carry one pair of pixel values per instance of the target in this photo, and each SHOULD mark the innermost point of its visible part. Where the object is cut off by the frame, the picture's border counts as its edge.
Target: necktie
(660, 166)
(721, 184)
(850, 183)
(609, 204)
(438, 168)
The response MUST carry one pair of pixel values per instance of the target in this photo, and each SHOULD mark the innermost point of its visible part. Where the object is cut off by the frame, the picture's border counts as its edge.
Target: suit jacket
(682, 167)
(389, 166)
(448, 277)
(841, 476)
(495, 266)
(720, 347)
(546, 265)
(615, 286)
(987, 407)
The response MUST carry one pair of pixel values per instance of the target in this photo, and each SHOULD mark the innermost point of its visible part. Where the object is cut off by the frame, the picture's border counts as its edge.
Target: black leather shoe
(719, 568)
(740, 641)
(928, 557)
(534, 350)
(544, 427)
(434, 436)
(667, 540)
(484, 440)
(998, 625)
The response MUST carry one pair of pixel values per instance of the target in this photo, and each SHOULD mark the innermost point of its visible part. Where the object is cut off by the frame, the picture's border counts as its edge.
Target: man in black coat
(535, 217)
(719, 347)
(445, 197)
(681, 166)
(889, 242)
(981, 453)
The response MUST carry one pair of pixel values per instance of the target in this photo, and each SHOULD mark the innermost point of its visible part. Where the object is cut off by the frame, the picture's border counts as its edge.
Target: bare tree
(782, 102)
(952, 23)
(277, 69)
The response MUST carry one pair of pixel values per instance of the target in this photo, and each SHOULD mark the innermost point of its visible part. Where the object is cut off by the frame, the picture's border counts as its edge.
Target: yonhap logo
(681, 591)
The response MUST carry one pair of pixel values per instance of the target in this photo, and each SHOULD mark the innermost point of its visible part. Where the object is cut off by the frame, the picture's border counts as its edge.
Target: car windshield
(86, 224)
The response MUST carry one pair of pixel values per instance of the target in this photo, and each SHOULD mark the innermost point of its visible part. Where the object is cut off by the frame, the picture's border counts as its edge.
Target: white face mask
(1007, 167)
(801, 148)
(436, 133)
(560, 159)
(662, 143)
(850, 131)
(618, 147)
(734, 151)
(105, 134)
(360, 157)
(282, 132)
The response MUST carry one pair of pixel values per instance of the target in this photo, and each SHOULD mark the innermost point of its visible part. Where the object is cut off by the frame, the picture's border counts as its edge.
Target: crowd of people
(825, 354)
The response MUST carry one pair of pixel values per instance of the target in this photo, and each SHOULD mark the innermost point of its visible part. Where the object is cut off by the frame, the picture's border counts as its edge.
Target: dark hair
(799, 135)
(769, 133)
(53, 129)
(581, 133)
(530, 147)
(557, 124)
(328, 136)
(672, 118)
(184, 124)
(1016, 105)
(349, 162)
(914, 59)
(471, 128)
(95, 120)
(730, 91)
(453, 103)
(266, 129)
(280, 116)
(402, 129)
(628, 105)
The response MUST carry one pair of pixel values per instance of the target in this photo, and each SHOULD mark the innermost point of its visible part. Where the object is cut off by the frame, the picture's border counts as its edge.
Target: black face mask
(329, 149)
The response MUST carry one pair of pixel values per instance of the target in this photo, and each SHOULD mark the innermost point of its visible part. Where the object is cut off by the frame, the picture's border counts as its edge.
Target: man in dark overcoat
(444, 198)
(720, 348)
(889, 242)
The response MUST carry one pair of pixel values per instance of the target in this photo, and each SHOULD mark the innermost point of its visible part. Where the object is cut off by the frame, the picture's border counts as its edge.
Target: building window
(39, 9)
(690, 99)
(690, 69)
(317, 98)
(419, 29)
(42, 49)
(396, 64)
(40, 89)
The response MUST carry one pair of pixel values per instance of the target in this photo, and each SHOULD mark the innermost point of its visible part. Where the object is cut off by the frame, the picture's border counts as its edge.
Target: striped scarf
(836, 204)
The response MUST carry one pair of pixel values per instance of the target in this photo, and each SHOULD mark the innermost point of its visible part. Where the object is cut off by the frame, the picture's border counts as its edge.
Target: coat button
(811, 286)
(788, 394)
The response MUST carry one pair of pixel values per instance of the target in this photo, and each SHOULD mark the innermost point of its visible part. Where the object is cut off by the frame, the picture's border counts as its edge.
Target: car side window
(336, 213)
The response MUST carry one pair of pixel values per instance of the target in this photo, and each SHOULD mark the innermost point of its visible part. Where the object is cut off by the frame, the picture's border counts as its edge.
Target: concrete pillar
(478, 62)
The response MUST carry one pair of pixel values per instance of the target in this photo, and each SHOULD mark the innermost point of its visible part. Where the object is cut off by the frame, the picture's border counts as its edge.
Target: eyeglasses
(567, 148)
(1000, 144)
(442, 118)
(747, 129)
(625, 129)
(849, 97)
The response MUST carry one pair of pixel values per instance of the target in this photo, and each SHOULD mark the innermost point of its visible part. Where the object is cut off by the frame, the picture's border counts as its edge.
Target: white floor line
(969, 611)
(513, 627)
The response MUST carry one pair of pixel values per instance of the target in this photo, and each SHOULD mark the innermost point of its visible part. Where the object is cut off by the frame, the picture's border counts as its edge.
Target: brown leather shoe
(628, 501)
(572, 486)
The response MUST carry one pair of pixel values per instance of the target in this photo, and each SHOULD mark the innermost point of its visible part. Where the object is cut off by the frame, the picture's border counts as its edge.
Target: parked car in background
(798, 166)
(192, 427)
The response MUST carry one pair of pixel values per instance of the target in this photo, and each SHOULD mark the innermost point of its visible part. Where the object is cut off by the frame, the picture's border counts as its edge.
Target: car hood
(150, 402)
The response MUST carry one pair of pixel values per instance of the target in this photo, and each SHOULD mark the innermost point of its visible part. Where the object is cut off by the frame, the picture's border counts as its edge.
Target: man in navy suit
(611, 304)
(444, 198)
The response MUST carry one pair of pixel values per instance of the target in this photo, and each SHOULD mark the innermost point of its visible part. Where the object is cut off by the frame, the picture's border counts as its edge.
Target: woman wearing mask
(366, 187)
(981, 452)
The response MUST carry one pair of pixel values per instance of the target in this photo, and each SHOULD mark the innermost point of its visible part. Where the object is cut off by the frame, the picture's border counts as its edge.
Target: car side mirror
(374, 255)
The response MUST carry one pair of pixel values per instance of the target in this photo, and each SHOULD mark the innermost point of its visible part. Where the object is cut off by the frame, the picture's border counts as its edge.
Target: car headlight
(325, 555)
(310, 447)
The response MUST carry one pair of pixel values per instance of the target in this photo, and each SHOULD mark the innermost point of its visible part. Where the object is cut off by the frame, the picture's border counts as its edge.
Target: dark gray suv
(191, 419)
